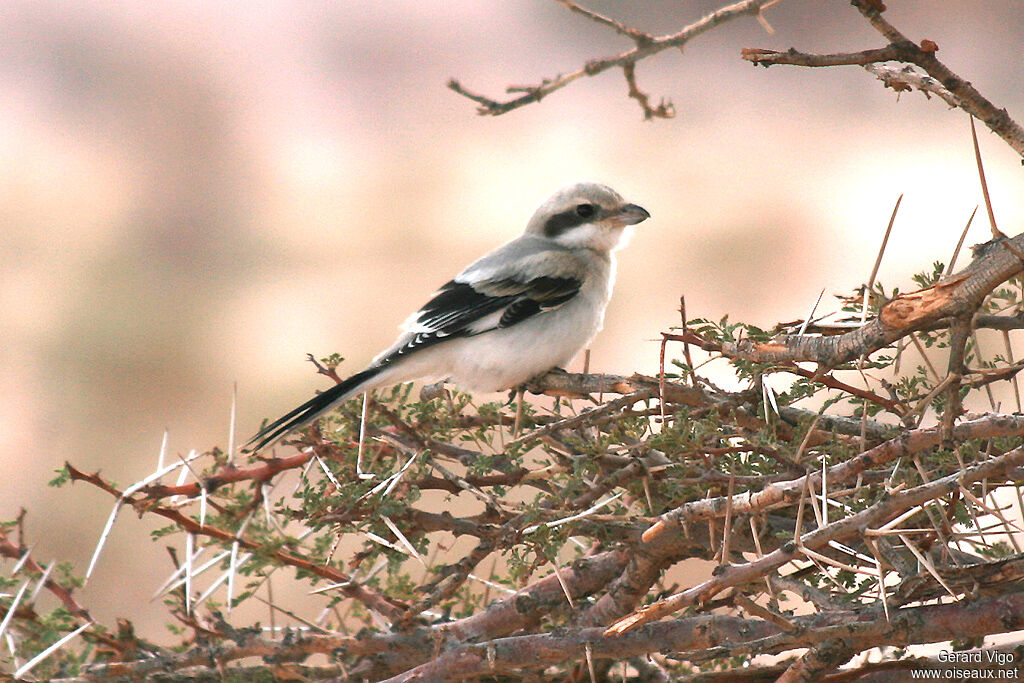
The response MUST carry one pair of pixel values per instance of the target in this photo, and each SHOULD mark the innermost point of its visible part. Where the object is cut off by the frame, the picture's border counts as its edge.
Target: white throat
(597, 237)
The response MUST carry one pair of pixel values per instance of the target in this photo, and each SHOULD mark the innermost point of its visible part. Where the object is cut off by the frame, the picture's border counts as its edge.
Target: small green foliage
(63, 477)
(997, 550)
(927, 279)
(332, 361)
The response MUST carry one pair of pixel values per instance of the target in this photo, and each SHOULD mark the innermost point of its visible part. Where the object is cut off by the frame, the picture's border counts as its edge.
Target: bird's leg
(531, 384)
(517, 395)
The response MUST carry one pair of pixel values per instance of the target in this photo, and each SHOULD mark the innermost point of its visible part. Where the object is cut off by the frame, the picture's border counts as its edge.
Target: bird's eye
(585, 210)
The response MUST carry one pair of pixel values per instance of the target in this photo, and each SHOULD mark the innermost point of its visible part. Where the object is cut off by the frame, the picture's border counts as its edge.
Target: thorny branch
(712, 636)
(581, 516)
(956, 296)
(14, 551)
(703, 635)
(955, 90)
(618, 578)
(646, 46)
(940, 80)
(790, 491)
(877, 515)
(368, 597)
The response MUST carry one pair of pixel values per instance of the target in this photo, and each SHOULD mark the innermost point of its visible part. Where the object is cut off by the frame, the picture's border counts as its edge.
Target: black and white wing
(483, 298)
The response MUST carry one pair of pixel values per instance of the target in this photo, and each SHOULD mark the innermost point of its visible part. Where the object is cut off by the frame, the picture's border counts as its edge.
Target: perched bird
(516, 313)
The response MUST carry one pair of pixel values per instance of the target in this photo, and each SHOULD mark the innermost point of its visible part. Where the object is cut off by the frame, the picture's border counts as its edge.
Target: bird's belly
(505, 358)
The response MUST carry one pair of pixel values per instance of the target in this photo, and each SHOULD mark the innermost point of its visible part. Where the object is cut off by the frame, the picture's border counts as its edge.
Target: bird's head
(586, 215)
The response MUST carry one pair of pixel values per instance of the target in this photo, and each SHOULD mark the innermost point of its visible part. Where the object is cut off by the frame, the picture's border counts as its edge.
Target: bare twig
(644, 48)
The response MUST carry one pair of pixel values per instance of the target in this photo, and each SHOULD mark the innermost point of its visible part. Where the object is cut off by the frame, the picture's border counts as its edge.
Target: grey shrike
(519, 311)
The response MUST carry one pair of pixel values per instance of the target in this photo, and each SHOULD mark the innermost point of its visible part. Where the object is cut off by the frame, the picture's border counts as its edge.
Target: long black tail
(309, 410)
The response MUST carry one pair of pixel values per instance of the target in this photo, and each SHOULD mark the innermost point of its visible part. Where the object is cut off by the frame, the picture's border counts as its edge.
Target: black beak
(630, 214)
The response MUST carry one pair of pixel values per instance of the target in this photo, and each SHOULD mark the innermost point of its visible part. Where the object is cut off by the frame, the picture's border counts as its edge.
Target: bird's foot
(533, 385)
(431, 391)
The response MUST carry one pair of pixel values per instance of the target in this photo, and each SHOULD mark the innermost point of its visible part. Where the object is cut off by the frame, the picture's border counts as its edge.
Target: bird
(516, 313)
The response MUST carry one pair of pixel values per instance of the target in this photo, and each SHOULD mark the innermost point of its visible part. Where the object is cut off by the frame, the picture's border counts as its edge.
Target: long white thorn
(175, 579)
(403, 540)
(222, 578)
(362, 439)
(190, 540)
(162, 472)
(163, 450)
(103, 538)
(824, 492)
(589, 511)
(327, 471)
(385, 542)
(42, 581)
(30, 664)
(807, 320)
(233, 564)
(21, 561)
(13, 609)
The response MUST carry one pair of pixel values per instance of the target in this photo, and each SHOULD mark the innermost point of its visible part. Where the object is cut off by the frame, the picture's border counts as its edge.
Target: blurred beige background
(199, 193)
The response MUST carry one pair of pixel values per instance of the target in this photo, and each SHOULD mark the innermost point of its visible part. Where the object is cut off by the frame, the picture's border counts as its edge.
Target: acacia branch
(646, 46)
(902, 49)
(372, 599)
(981, 321)
(1005, 571)
(960, 333)
(713, 636)
(817, 661)
(15, 551)
(826, 379)
(976, 104)
(762, 57)
(665, 108)
(696, 638)
(845, 528)
(645, 566)
(403, 649)
(229, 473)
(908, 443)
(904, 78)
(957, 296)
